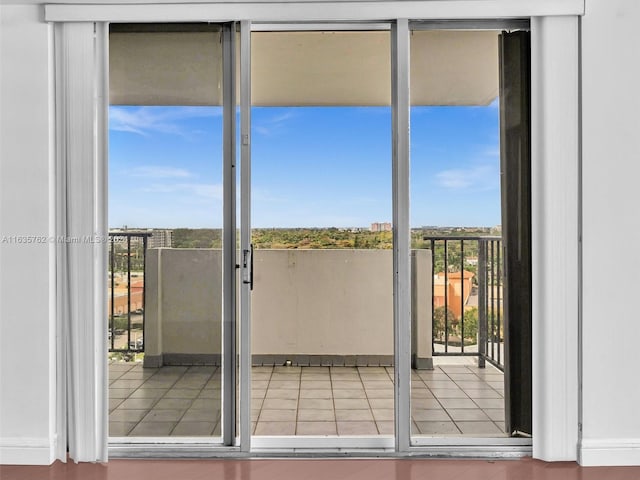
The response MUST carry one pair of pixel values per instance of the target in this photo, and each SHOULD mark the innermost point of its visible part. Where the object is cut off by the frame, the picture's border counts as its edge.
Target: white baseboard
(609, 451)
(26, 451)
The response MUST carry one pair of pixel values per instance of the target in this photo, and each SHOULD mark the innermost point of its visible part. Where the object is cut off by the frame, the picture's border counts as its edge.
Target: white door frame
(400, 140)
(401, 277)
(246, 249)
(555, 167)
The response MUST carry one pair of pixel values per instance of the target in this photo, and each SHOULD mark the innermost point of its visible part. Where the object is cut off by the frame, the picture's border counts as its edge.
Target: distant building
(458, 290)
(381, 227)
(121, 300)
(157, 237)
(160, 238)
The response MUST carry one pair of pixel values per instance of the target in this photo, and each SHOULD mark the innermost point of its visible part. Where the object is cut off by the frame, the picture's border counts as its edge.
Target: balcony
(451, 399)
(319, 367)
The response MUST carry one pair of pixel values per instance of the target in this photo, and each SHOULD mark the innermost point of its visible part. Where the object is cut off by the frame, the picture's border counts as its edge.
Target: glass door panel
(456, 387)
(166, 229)
(322, 312)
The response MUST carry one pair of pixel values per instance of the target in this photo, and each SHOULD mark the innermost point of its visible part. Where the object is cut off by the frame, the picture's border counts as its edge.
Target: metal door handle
(251, 272)
(248, 263)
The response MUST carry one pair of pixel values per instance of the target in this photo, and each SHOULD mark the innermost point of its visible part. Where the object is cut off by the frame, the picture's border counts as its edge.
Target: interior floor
(320, 469)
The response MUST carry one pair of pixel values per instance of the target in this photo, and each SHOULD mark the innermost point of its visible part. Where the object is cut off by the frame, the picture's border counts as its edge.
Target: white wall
(26, 354)
(611, 150)
(611, 232)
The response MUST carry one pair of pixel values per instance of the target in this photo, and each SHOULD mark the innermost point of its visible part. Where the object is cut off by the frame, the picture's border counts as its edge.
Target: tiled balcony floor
(185, 401)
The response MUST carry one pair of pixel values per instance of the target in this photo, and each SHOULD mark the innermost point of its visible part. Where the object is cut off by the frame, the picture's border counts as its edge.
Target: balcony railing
(126, 295)
(467, 297)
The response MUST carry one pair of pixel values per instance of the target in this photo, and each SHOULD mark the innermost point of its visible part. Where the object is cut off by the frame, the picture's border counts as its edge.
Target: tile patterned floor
(185, 401)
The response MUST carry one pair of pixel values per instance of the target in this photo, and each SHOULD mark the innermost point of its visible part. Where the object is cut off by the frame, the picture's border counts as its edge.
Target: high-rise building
(156, 237)
(381, 227)
(160, 238)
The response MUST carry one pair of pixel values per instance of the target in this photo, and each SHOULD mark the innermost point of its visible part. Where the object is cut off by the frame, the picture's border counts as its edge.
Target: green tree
(440, 314)
(471, 324)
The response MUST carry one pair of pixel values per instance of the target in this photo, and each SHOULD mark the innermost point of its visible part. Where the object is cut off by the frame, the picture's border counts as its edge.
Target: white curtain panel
(81, 106)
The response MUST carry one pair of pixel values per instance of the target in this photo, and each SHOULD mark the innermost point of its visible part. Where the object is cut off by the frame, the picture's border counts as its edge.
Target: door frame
(402, 440)
(399, 41)
(229, 260)
(246, 249)
(555, 167)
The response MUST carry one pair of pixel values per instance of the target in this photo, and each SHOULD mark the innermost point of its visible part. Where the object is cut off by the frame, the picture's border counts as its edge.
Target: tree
(439, 316)
(471, 323)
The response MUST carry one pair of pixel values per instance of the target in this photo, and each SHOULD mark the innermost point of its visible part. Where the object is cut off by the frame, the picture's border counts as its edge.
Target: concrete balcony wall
(183, 306)
(313, 307)
(421, 309)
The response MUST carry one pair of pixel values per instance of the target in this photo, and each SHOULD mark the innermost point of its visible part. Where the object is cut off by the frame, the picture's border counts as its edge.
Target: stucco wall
(304, 303)
(183, 289)
(323, 302)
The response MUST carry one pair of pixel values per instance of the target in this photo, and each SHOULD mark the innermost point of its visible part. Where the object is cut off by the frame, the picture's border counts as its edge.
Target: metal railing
(467, 295)
(127, 256)
(467, 298)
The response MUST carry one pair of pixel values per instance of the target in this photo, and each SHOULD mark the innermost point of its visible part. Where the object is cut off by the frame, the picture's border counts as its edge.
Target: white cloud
(274, 124)
(147, 120)
(187, 191)
(477, 178)
(156, 171)
(456, 178)
(264, 195)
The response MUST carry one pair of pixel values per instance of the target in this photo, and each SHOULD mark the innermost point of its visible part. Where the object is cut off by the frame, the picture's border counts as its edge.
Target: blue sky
(311, 166)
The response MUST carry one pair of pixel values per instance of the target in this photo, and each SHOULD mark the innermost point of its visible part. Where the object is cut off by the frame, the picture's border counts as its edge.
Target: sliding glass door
(470, 232)
(172, 232)
(320, 239)
(278, 277)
